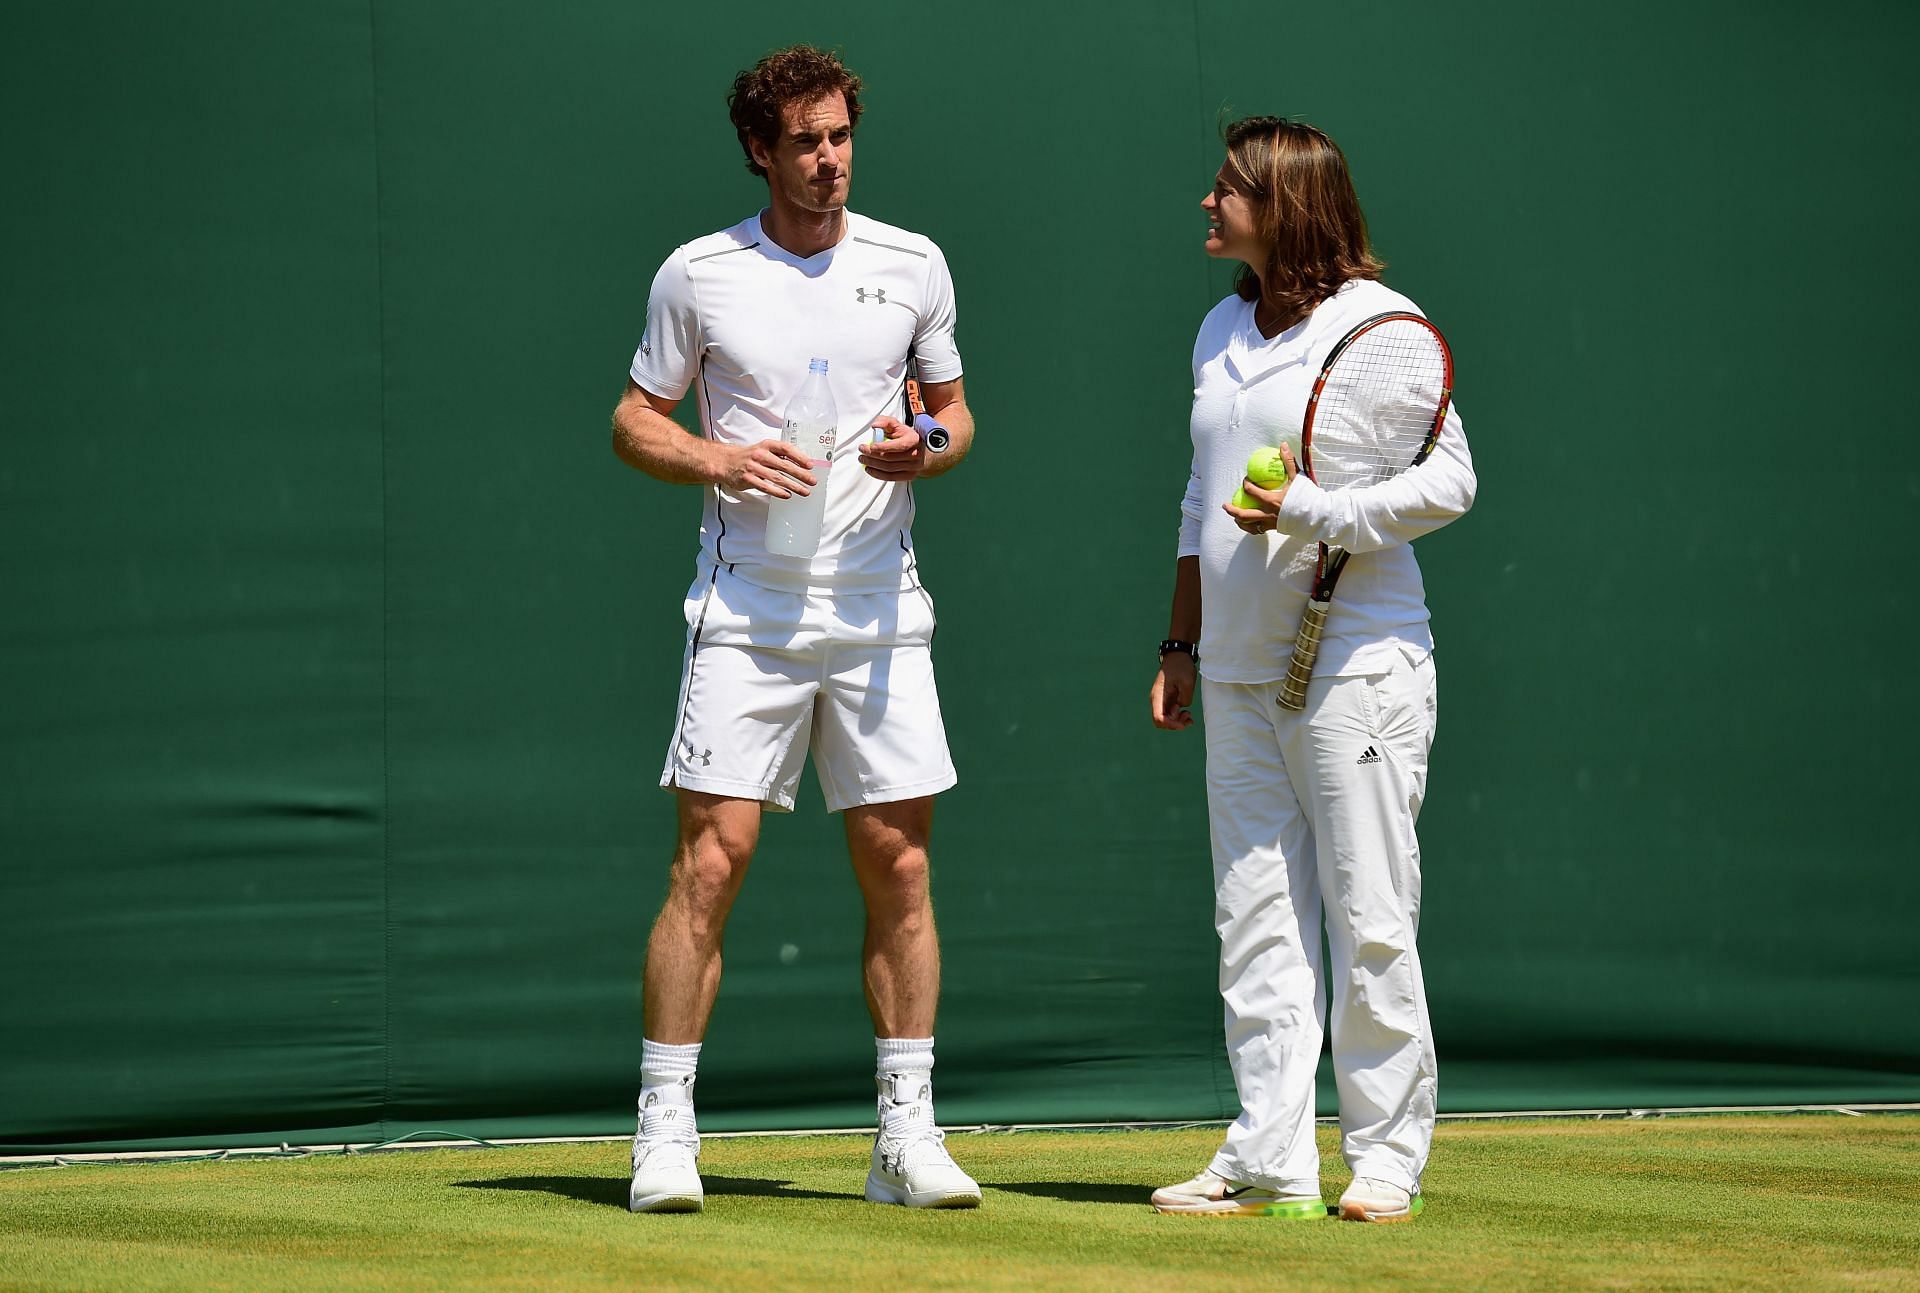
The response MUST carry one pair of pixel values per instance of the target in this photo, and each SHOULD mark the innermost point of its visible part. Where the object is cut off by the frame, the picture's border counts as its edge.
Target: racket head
(1379, 402)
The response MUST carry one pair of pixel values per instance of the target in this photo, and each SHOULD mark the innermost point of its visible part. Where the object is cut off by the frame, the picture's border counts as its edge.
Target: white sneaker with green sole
(1212, 1195)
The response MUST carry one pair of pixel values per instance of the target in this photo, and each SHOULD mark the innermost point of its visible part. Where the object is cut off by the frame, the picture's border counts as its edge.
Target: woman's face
(1230, 228)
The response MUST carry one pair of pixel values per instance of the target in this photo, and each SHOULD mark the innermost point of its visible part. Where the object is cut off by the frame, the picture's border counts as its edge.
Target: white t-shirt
(741, 316)
(1248, 392)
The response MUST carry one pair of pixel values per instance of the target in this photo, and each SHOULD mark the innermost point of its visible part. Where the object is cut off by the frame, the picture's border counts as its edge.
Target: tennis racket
(932, 434)
(1375, 411)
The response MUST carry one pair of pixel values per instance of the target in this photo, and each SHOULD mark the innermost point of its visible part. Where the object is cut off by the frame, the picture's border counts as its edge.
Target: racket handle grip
(932, 434)
(1306, 650)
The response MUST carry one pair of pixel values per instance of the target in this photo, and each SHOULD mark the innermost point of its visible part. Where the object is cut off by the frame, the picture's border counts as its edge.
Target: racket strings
(1376, 409)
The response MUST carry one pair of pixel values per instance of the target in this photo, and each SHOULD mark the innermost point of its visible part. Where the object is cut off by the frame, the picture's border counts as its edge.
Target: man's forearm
(659, 446)
(957, 418)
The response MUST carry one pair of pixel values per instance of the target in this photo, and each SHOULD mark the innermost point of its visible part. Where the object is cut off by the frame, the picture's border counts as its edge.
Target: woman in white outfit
(1311, 812)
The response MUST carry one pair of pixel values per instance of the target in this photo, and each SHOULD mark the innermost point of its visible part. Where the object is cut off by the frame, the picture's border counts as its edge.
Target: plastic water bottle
(812, 422)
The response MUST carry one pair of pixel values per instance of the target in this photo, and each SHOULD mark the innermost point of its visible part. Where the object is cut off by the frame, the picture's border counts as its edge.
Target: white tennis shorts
(771, 674)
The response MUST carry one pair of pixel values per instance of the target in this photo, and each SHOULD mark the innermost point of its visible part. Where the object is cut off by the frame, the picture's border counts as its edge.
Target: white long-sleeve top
(1250, 392)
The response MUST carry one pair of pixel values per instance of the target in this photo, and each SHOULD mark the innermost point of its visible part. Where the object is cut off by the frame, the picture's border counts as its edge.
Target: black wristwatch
(1175, 644)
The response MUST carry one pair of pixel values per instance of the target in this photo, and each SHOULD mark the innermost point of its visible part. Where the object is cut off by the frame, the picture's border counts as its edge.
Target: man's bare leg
(901, 956)
(901, 963)
(717, 838)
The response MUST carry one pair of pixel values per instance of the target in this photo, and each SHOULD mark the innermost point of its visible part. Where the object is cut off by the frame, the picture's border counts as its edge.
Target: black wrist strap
(1175, 644)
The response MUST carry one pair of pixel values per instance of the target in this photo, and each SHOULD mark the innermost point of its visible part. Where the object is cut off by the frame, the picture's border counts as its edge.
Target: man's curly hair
(801, 74)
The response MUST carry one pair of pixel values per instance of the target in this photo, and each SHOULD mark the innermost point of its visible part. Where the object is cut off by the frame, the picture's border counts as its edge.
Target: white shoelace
(920, 1141)
(667, 1126)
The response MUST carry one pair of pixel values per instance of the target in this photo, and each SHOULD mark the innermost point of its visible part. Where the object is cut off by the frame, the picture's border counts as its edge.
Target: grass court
(1689, 1203)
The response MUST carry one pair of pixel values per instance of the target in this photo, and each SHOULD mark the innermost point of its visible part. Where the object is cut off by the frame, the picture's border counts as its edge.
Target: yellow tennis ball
(1266, 469)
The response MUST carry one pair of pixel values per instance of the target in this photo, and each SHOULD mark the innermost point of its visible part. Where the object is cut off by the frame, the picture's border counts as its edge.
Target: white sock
(668, 1071)
(903, 1068)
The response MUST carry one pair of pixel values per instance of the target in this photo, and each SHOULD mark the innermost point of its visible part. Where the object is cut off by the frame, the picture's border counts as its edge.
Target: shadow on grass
(611, 1191)
(1077, 1191)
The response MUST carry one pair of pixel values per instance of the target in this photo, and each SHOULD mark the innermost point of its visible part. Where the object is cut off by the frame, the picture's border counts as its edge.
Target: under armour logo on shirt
(876, 295)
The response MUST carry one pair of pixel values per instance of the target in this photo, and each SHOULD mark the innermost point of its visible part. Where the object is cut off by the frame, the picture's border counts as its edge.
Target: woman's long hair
(1304, 208)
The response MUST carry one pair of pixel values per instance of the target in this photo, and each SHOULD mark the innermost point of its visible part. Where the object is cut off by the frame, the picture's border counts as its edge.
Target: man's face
(811, 164)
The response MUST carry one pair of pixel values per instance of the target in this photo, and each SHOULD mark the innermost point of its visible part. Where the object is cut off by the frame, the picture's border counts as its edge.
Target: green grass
(1705, 1203)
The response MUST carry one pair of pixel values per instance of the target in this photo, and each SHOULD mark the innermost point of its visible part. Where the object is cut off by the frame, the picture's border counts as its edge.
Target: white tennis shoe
(911, 1165)
(1371, 1199)
(1212, 1195)
(665, 1152)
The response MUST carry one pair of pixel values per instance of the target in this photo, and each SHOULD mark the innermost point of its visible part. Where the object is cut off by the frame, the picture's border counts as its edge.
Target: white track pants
(1312, 816)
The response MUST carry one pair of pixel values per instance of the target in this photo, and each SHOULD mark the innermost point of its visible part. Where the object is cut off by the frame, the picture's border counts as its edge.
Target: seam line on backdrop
(1200, 108)
(386, 597)
(1224, 1090)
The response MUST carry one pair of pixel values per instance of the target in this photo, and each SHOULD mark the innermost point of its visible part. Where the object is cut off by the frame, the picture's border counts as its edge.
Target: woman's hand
(1266, 517)
(1172, 694)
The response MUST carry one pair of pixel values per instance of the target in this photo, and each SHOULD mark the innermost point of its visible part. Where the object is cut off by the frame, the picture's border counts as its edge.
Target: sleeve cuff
(933, 374)
(654, 386)
(1300, 509)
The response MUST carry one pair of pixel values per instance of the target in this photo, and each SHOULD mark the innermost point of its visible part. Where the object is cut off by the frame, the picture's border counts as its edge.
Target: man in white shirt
(786, 654)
